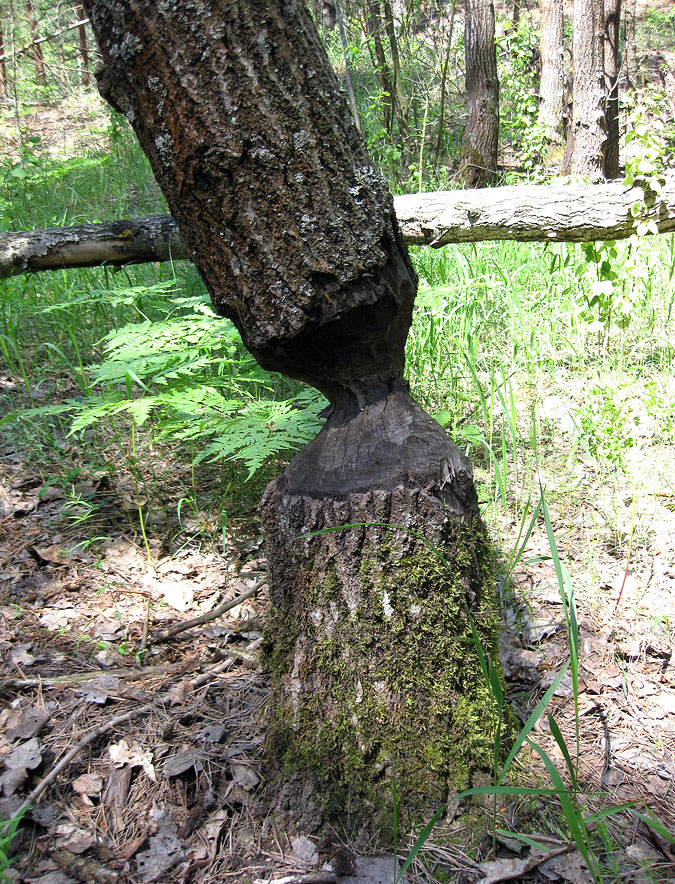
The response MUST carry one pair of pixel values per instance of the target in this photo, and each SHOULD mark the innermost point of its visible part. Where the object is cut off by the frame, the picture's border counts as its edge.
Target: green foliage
(8, 832)
(608, 423)
(517, 49)
(188, 375)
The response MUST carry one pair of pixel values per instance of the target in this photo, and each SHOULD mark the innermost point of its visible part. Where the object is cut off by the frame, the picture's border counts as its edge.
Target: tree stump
(374, 674)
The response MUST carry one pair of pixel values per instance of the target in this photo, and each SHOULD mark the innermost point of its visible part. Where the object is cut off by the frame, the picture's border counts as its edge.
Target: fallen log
(525, 212)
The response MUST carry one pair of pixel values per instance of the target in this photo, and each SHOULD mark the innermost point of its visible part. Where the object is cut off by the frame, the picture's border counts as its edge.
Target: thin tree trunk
(3, 64)
(478, 164)
(84, 49)
(402, 104)
(551, 53)
(611, 63)
(293, 231)
(37, 51)
(374, 28)
(444, 80)
(632, 68)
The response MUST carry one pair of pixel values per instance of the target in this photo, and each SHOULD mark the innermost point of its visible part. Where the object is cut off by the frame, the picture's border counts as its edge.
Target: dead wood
(84, 868)
(217, 612)
(526, 212)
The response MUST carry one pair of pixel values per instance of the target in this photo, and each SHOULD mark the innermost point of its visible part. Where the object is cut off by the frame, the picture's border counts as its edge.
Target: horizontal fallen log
(524, 212)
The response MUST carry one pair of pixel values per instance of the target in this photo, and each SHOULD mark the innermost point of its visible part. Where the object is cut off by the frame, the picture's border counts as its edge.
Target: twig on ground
(163, 699)
(221, 609)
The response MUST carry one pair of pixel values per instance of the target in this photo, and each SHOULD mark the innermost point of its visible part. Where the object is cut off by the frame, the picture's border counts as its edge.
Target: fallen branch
(525, 212)
(217, 612)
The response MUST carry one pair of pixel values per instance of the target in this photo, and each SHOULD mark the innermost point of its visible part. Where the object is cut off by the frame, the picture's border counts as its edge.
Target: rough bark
(593, 139)
(478, 163)
(237, 107)
(611, 63)
(551, 54)
(533, 213)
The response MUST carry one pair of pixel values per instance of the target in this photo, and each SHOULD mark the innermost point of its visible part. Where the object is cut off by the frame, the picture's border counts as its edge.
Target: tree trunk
(84, 49)
(632, 67)
(3, 63)
(293, 231)
(551, 54)
(402, 104)
(593, 141)
(37, 52)
(611, 62)
(373, 15)
(527, 213)
(478, 163)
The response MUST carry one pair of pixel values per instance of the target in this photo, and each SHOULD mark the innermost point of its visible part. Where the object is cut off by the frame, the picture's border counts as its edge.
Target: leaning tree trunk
(478, 163)
(293, 231)
(552, 82)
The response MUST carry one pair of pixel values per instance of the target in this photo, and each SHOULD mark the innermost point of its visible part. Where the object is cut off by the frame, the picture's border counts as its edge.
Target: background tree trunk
(586, 135)
(3, 63)
(552, 60)
(478, 163)
(294, 233)
(37, 52)
(632, 67)
(593, 140)
(611, 63)
(84, 49)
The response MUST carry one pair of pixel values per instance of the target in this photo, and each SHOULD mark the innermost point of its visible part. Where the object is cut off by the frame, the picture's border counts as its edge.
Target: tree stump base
(375, 675)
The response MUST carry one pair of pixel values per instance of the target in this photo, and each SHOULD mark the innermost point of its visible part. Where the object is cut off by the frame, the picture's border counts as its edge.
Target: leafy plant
(187, 376)
(8, 832)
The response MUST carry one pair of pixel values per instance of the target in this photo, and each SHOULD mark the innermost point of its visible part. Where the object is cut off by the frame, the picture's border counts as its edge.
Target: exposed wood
(138, 240)
(532, 213)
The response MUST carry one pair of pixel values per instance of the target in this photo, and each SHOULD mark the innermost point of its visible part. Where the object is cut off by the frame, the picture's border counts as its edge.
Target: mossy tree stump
(293, 231)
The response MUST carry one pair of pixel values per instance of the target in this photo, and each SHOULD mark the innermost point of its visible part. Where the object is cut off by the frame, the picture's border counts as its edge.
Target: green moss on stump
(392, 687)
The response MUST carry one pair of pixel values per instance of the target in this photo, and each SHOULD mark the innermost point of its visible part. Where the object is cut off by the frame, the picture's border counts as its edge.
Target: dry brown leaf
(132, 754)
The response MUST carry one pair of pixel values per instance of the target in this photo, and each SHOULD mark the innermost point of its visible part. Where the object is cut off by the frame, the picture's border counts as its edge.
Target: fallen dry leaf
(132, 754)
(27, 756)
(507, 869)
(164, 850)
(27, 724)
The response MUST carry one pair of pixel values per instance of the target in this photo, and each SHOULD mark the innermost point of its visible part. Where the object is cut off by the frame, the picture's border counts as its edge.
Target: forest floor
(173, 791)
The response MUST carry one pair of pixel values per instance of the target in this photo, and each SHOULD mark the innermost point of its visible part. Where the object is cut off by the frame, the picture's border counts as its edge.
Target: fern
(186, 375)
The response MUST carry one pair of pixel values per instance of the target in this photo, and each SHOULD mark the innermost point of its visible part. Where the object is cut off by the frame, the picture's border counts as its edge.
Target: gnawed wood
(525, 212)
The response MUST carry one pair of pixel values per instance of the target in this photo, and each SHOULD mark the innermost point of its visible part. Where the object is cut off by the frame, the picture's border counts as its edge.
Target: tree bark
(3, 64)
(293, 231)
(37, 51)
(84, 49)
(478, 163)
(593, 140)
(632, 67)
(528, 213)
(552, 82)
(612, 63)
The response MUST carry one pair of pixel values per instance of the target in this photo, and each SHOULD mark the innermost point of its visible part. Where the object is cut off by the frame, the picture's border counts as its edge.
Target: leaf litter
(175, 793)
